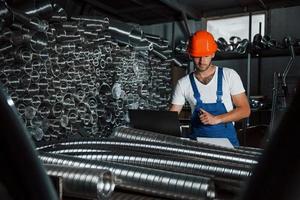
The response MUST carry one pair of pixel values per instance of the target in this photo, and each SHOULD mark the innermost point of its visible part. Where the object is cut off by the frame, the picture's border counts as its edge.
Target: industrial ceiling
(146, 12)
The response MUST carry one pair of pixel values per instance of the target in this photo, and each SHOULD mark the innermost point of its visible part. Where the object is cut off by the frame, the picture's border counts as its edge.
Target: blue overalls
(222, 130)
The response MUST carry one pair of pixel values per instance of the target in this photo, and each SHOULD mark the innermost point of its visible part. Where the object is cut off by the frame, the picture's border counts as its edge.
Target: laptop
(164, 122)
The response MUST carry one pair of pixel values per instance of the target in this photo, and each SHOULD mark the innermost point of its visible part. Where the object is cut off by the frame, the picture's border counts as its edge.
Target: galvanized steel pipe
(167, 149)
(143, 135)
(145, 180)
(83, 182)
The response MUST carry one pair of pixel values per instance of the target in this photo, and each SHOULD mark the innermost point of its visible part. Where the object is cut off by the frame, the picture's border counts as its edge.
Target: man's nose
(200, 60)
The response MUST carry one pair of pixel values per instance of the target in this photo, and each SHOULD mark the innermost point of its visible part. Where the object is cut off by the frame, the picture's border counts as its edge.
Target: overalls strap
(219, 86)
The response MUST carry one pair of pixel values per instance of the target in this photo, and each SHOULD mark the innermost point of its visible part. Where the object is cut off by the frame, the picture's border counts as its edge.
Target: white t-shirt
(232, 85)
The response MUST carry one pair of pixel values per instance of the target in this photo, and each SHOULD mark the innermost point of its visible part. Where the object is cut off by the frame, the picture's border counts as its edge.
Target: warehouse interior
(73, 72)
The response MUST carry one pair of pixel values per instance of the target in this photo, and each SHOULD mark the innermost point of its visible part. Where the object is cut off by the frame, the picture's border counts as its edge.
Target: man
(211, 92)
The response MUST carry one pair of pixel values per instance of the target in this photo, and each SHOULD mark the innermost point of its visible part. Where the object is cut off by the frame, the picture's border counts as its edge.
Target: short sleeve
(236, 84)
(178, 97)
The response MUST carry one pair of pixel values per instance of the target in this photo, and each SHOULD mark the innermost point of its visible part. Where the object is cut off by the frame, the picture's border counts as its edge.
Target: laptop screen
(164, 122)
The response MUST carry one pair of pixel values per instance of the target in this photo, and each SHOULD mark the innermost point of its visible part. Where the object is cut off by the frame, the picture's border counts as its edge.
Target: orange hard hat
(202, 43)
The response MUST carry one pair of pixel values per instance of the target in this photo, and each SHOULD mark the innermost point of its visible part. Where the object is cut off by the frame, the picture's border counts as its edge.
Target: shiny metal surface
(196, 167)
(145, 180)
(103, 71)
(253, 149)
(82, 182)
(143, 135)
(158, 148)
(227, 175)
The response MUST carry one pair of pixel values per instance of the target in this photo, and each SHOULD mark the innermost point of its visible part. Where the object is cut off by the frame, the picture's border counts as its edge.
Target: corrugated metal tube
(162, 148)
(144, 180)
(196, 167)
(83, 182)
(143, 135)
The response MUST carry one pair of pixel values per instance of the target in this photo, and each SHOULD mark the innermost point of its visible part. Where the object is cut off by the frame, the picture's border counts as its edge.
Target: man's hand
(207, 118)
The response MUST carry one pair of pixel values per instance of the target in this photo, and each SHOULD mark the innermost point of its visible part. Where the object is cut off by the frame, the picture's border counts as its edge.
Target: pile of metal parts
(79, 75)
(237, 45)
(158, 165)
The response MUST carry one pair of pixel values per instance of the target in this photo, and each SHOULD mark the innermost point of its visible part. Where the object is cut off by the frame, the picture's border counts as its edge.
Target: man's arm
(241, 110)
(176, 108)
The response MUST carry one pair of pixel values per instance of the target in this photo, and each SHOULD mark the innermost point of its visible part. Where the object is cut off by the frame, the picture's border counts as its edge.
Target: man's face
(203, 63)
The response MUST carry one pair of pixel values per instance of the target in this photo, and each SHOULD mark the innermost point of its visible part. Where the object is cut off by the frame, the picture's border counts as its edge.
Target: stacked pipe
(143, 180)
(225, 175)
(79, 76)
(228, 168)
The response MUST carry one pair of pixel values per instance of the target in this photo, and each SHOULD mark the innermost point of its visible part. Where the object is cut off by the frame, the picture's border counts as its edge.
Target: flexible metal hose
(199, 167)
(83, 182)
(229, 176)
(143, 135)
(165, 149)
(145, 180)
(131, 156)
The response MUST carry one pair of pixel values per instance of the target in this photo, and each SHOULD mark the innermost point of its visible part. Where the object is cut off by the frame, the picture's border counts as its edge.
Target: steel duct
(131, 156)
(165, 149)
(143, 135)
(229, 176)
(144, 180)
(196, 167)
(83, 182)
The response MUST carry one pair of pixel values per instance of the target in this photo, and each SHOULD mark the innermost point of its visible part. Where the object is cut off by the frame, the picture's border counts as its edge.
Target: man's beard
(201, 69)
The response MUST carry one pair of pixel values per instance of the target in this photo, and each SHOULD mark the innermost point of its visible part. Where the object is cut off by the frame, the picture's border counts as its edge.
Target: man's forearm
(234, 115)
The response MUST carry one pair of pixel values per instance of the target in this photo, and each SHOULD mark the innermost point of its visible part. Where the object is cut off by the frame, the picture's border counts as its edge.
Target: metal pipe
(166, 149)
(82, 182)
(159, 54)
(143, 135)
(38, 8)
(30, 22)
(59, 14)
(144, 180)
(229, 176)
(195, 167)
